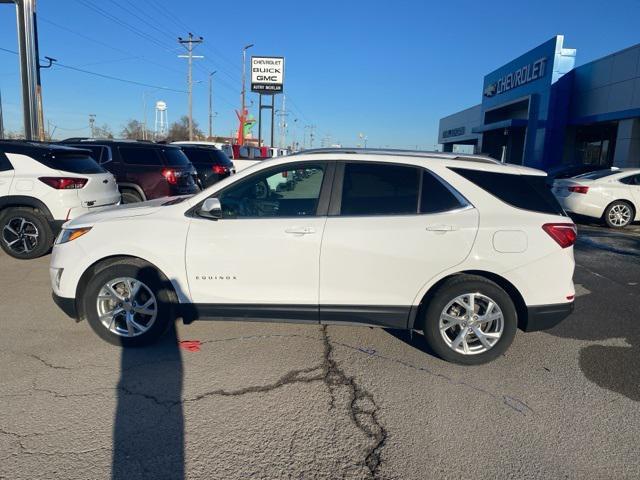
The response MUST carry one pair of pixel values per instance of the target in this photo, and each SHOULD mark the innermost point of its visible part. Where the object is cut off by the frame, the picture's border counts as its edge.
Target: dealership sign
(526, 74)
(267, 75)
(454, 132)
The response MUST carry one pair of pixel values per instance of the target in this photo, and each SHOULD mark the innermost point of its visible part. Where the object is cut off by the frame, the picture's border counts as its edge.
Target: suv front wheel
(129, 303)
(470, 320)
(25, 233)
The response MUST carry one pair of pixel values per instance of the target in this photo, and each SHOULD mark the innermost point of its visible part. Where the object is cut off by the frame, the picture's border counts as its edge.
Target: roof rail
(400, 152)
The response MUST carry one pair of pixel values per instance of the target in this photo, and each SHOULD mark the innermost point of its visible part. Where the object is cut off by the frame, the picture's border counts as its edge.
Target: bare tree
(133, 130)
(180, 130)
(103, 132)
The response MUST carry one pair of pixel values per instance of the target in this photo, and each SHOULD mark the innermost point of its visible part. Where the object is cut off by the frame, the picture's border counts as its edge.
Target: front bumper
(544, 317)
(67, 305)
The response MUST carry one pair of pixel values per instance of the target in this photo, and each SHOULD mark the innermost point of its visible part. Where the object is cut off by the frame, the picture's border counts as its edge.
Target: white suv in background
(41, 187)
(461, 247)
(612, 195)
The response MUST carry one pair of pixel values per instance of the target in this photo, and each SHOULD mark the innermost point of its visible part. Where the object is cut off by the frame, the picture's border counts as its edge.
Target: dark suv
(143, 170)
(211, 163)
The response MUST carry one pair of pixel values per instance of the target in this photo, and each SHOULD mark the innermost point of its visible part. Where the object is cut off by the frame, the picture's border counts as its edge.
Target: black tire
(460, 285)
(130, 196)
(609, 212)
(157, 284)
(36, 224)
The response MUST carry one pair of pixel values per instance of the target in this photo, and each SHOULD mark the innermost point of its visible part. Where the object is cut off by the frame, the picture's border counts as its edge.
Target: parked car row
(42, 185)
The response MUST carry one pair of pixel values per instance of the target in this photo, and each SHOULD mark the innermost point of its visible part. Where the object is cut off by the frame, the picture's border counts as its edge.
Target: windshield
(73, 163)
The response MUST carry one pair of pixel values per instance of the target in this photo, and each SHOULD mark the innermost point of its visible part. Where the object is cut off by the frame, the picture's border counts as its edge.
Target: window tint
(96, 151)
(72, 162)
(631, 180)
(437, 197)
(280, 193)
(140, 156)
(175, 157)
(5, 164)
(207, 156)
(378, 189)
(528, 192)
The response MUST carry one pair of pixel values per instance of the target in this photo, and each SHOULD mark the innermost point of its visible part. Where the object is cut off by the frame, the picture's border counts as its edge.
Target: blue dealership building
(541, 111)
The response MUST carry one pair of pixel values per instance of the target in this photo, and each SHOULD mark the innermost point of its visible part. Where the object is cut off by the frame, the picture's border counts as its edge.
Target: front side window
(379, 189)
(285, 192)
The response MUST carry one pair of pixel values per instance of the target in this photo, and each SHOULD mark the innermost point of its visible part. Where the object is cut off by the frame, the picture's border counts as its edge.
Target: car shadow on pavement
(148, 435)
(610, 316)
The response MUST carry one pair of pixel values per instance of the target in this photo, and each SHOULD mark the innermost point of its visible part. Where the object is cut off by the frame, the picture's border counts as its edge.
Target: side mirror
(211, 208)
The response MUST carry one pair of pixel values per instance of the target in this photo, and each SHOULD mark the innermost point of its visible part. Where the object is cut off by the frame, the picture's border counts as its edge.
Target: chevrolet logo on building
(490, 91)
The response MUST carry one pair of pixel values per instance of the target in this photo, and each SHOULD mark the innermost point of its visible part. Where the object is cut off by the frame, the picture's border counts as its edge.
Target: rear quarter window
(5, 164)
(527, 192)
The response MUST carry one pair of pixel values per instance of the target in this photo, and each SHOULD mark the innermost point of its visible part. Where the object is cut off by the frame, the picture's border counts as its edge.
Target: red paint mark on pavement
(190, 345)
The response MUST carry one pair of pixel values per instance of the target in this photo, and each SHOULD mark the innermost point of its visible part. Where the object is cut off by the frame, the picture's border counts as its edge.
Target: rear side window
(5, 164)
(437, 197)
(72, 163)
(175, 157)
(378, 189)
(597, 174)
(140, 156)
(631, 180)
(527, 192)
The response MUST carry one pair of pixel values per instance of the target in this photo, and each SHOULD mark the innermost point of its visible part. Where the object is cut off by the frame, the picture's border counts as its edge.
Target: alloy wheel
(20, 235)
(127, 307)
(471, 323)
(620, 215)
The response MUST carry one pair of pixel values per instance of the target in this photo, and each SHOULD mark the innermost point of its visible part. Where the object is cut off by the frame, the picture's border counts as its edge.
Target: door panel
(254, 261)
(385, 260)
(266, 248)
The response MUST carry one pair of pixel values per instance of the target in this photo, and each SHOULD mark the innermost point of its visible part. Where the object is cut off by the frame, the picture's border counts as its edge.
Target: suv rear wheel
(25, 233)
(130, 196)
(129, 303)
(470, 320)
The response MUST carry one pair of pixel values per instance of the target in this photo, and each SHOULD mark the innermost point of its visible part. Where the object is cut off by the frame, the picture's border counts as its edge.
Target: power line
(102, 75)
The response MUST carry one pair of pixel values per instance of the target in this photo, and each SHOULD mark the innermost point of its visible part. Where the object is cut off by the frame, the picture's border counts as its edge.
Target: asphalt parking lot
(287, 401)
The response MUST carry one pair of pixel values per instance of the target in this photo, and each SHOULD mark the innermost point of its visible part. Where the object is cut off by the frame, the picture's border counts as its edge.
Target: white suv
(41, 187)
(463, 248)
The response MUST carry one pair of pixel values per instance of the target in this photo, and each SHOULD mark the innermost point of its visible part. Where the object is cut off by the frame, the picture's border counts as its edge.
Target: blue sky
(388, 69)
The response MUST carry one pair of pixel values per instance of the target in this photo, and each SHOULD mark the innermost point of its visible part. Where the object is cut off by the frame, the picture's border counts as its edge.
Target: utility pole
(189, 45)
(312, 129)
(211, 104)
(1, 118)
(92, 124)
(242, 117)
(282, 113)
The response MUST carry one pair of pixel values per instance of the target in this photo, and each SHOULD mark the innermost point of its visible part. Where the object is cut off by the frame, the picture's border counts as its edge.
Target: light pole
(244, 76)
(211, 104)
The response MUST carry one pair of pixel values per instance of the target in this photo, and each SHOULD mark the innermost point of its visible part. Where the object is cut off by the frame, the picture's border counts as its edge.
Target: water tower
(162, 124)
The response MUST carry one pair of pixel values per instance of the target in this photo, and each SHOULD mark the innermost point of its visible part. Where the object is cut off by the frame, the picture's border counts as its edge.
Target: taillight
(64, 183)
(563, 233)
(220, 169)
(170, 175)
(578, 189)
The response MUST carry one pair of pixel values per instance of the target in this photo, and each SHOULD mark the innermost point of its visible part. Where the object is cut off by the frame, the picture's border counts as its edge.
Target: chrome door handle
(441, 228)
(300, 230)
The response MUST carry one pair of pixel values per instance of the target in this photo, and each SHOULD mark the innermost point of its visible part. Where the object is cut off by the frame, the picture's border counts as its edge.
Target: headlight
(69, 234)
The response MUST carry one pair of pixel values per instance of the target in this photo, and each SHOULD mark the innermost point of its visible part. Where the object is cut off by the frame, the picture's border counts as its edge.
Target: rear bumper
(544, 317)
(67, 305)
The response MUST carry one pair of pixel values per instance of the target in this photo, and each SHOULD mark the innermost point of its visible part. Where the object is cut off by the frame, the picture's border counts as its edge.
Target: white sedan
(612, 195)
